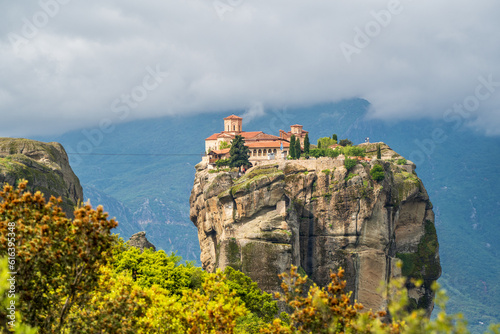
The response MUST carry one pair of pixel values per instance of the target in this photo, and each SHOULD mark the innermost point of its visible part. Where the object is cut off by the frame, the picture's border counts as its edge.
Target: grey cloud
(419, 63)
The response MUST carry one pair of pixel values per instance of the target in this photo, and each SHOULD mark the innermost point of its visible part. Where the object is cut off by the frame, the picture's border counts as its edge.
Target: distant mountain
(148, 167)
(119, 211)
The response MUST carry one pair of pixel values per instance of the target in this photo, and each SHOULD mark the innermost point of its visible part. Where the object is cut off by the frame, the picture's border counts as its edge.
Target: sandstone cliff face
(44, 165)
(317, 215)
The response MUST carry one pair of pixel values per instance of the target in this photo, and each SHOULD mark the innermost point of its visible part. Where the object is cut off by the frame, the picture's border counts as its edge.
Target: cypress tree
(292, 147)
(238, 153)
(379, 152)
(298, 150)
(334, 137)
(307, 144)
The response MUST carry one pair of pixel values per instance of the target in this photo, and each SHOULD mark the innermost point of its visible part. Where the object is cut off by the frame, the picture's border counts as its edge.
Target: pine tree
(292, 147)
(298, 150)
(239, 153)
(379, 152)
(307, 144)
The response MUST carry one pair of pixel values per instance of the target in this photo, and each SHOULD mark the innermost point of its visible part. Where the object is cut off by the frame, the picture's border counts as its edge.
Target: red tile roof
(245, 135)
(250, 135)
(219, 152)
(225, 135)
(265, 136)
(213, 137)
(233, 117)
(289, 133)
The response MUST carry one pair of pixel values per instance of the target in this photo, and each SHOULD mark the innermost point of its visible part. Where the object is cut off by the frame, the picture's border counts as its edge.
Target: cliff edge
(319, 216)
(44, 165)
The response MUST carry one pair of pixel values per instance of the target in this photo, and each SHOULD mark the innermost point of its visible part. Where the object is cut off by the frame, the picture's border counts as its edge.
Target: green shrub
(326, 142)
(353, 151)
(324, 152)
(224, 144)
(377, 173)
(350, 176)
(222, 162)
(401, 161)
(350, 163)
(345, 142)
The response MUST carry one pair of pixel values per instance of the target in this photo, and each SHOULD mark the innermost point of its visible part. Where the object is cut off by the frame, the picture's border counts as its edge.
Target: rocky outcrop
(140, 241)
(44, 165)
(319, 216)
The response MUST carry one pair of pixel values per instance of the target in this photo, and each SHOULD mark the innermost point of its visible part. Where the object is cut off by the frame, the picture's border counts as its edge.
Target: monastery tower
(233, 124)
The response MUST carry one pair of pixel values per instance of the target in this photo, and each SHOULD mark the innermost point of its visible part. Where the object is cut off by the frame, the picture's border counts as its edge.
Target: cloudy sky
(69, 64)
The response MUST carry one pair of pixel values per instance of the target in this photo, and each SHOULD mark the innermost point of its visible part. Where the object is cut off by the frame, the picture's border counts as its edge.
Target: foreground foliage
(10, 317)
(330, 310)
(78, 278)
(57, 258)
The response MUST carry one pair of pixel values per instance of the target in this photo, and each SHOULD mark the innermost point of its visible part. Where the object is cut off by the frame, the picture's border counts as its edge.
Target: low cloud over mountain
(70, 64)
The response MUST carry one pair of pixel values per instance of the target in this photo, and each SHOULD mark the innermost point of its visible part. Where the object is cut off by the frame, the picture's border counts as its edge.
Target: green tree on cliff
(345, 142)
(292, 147)
(379, 152)
(298, 149)
(326, 142)
(334, 137)
(239, 153)
(307, 144)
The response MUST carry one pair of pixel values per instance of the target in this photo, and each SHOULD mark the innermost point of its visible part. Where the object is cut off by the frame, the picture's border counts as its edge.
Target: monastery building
(262, 146)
